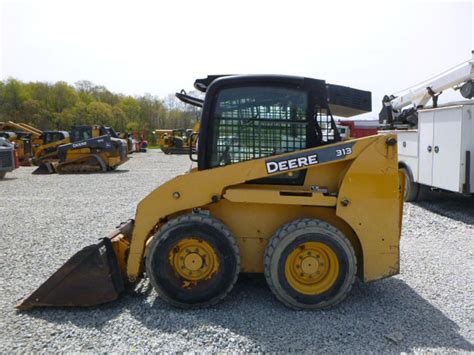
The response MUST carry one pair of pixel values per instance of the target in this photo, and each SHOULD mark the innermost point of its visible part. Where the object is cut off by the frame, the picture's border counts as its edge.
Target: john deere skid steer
(275, 191)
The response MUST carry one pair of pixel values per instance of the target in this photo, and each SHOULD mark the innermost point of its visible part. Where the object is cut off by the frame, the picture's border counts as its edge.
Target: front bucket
(91, 277)
(44, 168)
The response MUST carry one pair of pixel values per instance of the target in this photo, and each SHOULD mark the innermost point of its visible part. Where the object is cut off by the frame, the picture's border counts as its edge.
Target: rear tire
(193, 261)
(411, 188)
(309, 264)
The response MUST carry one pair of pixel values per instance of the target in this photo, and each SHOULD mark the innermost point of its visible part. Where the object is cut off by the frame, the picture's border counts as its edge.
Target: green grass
(155, 146)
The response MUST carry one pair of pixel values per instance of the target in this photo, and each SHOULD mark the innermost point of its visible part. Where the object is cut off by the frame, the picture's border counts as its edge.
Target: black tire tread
(281, 234)
(160, 236)
(413, 188)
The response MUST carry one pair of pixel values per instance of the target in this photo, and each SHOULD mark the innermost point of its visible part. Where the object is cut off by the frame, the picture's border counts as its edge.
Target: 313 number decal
(343, 152)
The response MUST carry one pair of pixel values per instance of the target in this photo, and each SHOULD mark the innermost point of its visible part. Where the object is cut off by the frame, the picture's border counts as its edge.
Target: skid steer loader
(47, 151)
(34, 145)
(275, 191)
(91, 149)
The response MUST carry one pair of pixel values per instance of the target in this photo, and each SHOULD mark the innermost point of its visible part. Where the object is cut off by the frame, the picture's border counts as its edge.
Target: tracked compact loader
(89, 149)
(47, 151)
(275, 191)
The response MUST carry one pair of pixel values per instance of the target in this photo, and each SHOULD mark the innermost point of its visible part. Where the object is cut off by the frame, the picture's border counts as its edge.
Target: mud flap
(91, 277)
(44, 168)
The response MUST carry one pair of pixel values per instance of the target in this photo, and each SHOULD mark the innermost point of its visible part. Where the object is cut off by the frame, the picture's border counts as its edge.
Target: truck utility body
(435, 144)
(439, 153)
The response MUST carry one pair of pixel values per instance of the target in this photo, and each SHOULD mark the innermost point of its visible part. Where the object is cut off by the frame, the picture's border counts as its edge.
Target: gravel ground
(46, 219)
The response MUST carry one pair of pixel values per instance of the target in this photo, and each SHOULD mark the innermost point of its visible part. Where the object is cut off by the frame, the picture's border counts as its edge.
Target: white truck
(435, 144)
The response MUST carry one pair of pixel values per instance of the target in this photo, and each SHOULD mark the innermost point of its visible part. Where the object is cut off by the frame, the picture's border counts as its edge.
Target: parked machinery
(180, 140)
(92, 149)
(176, 141)
(127, 137)
(33, 144)
(357, 128)
(8, 157)
(435, 142)
(275, 191)
(47, 152)
(136, 142)
(140, 144)
(22, 143)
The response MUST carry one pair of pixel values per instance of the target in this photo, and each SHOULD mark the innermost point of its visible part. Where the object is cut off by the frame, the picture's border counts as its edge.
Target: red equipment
(357, 129)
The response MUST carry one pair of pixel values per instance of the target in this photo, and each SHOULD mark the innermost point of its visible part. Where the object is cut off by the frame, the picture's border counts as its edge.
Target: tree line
(59, 106)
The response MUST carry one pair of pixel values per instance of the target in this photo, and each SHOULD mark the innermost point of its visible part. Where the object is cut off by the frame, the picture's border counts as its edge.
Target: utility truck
(435, 143)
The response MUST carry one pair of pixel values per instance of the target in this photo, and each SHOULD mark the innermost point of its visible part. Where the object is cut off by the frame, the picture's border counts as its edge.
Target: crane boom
(402, 108)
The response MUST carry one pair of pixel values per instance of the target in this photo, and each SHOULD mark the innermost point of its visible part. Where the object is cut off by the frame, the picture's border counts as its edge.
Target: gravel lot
(46, 219)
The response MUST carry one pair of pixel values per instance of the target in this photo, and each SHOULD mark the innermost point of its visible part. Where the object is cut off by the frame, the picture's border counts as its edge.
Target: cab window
(82, 133)
(254, 122)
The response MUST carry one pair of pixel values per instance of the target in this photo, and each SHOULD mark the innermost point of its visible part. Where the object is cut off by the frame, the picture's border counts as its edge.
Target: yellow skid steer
(275, 191)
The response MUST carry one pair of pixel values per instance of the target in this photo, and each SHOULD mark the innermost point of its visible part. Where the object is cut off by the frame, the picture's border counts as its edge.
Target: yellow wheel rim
(194, 259)
(312, 268)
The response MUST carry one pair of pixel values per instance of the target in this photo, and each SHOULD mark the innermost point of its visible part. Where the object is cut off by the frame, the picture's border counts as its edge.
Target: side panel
(425, 162)
(253, 225)
(408, 150)
(199, 188)
(467, 139)
(447, 149)
(370, 201)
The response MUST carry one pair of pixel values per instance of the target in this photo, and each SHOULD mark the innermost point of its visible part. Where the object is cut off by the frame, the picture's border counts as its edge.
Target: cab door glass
(326, 129)
(254, 122)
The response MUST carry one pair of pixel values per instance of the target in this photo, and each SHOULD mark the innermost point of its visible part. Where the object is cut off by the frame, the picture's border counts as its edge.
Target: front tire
(309, 264)
(193, 261)
(411, 188)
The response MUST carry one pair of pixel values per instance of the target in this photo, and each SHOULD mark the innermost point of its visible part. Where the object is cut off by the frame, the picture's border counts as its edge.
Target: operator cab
(8, 135)
(80, 133)
(248, 117)
(54, 136)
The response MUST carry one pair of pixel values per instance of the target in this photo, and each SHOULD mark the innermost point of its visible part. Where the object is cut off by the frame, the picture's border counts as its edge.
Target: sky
(160, 47)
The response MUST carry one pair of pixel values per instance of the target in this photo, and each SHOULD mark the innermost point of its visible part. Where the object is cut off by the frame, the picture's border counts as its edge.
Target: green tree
(119, 121)
(60, 106)
(99, 113)
(35, 113)
(11, 101)
(131, 108)
(62, 96)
